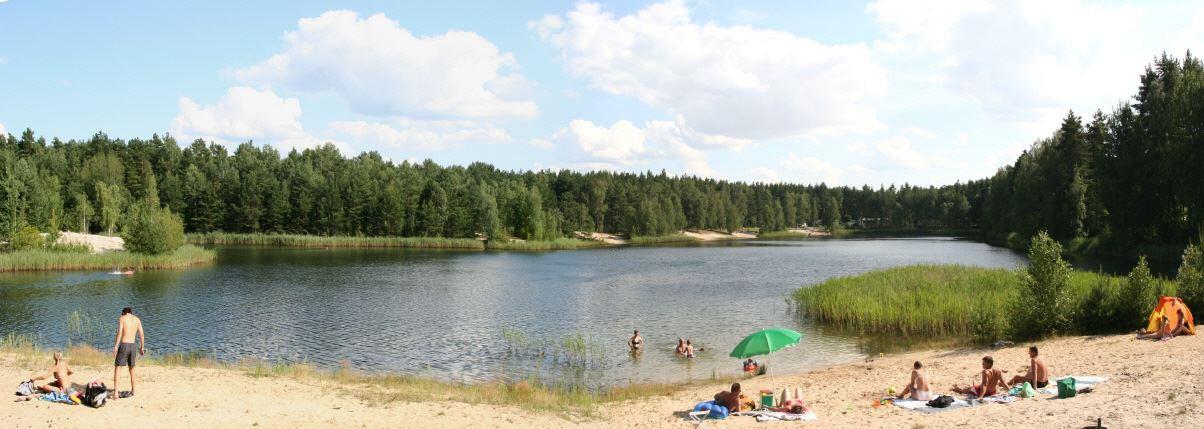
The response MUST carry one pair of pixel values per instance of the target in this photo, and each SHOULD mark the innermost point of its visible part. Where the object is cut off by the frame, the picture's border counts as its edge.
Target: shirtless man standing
(128, 326)
(60, 371)
(1038, 373)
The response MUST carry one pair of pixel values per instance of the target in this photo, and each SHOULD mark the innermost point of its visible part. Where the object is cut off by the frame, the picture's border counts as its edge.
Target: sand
(1152, 384)
(611, 239)
(709, 235)
(98, 243)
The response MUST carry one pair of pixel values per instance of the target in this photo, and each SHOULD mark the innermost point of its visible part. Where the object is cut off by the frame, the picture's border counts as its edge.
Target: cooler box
(766, 398)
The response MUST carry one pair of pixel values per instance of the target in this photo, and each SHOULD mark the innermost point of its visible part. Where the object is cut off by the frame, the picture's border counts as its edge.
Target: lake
(443, 313)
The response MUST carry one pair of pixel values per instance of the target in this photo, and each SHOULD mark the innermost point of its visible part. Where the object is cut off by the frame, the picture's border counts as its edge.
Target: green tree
(112, 201)
(1043, 304)
(152, 230)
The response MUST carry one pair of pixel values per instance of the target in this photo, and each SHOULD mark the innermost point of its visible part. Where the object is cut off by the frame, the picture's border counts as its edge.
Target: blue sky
(923, 92)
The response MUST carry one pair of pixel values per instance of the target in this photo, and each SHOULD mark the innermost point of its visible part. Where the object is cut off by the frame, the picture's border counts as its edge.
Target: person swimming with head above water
(636, 343)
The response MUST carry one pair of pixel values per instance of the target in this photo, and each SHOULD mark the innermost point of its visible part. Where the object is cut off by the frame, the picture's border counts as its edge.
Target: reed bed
(663, 239)
(557, 244)
(52, 260)
(915, 300)
(783, 234)
(939, 300)
(298, 240)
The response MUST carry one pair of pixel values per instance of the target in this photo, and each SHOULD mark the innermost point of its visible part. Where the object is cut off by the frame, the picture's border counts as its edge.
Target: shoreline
(49, 260)
(1148, 382)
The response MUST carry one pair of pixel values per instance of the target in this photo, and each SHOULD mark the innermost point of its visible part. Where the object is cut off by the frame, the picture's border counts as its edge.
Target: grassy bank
(375, 387)
(784, 234)
(663, 239)
(557, 244)
(51, 260)
(959, 301)
(297, 240)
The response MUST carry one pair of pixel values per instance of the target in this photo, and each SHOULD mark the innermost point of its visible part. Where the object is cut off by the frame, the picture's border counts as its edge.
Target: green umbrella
(765, 342)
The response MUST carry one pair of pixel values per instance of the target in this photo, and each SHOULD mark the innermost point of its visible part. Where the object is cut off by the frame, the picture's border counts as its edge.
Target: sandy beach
(1151, 383)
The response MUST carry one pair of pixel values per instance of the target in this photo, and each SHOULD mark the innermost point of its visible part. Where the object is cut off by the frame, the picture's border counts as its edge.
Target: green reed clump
(298, 240)
(970, 303)
(50, 260)
(784, 234)
(914, 300)
(663, 239)
(557, 244)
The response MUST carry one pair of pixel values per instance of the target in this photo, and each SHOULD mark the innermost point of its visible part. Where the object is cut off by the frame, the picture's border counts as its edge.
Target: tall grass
(663, 239)
(967, 302)
(50, 260)
(915, 300)
(557, 244)
(784, 234)
(297, 240)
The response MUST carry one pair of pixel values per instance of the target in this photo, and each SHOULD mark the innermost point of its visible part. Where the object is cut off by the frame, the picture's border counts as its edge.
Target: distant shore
(1148, 382)
(51, 260)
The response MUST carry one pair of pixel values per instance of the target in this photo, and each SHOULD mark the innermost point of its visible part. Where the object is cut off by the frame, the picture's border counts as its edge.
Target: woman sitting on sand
(918, 387)
(991, 378)
(1165, 330)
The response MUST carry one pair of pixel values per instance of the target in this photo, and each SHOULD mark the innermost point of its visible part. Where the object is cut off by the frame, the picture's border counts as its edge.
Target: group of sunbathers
(991, 378)
(129, 330)
(791, 401)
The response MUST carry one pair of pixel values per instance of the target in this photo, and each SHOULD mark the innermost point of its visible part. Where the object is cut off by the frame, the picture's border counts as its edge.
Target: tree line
(1133, 175)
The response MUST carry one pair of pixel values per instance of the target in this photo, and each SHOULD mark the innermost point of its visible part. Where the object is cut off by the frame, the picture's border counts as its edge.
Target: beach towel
(1080, 383)
(922, 406)
(774, 416)
(57, 397)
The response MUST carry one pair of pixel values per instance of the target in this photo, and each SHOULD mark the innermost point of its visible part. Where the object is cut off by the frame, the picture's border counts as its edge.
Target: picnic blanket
(774, 416)
(922, 406)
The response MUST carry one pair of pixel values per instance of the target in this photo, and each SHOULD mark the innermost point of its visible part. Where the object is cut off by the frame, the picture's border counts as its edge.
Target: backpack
(1066, 388)
(25, 388)
(941, 401)
(96, 394)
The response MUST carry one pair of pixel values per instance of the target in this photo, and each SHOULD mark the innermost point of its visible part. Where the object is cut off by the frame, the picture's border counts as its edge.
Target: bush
(152, 230)
(1043, 304)
(1138, 296)
(1097, 311)
(25, 238)
(1191, 277)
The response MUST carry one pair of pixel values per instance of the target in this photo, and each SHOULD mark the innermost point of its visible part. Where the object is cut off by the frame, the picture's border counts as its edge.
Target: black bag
(941, 401)
(95, 395)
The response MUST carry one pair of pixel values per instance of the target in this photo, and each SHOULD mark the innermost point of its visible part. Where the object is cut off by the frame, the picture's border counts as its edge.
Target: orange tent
(1171, 307)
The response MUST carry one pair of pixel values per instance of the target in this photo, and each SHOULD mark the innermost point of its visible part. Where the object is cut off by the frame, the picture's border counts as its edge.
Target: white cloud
(622, 142)
(809, 169)
(245, 114)
(1027, 62)
(415, 134)
(2, 130)
(3, 60)
(735, 81)
(380, 68)
(624, 145)
(898, 152)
